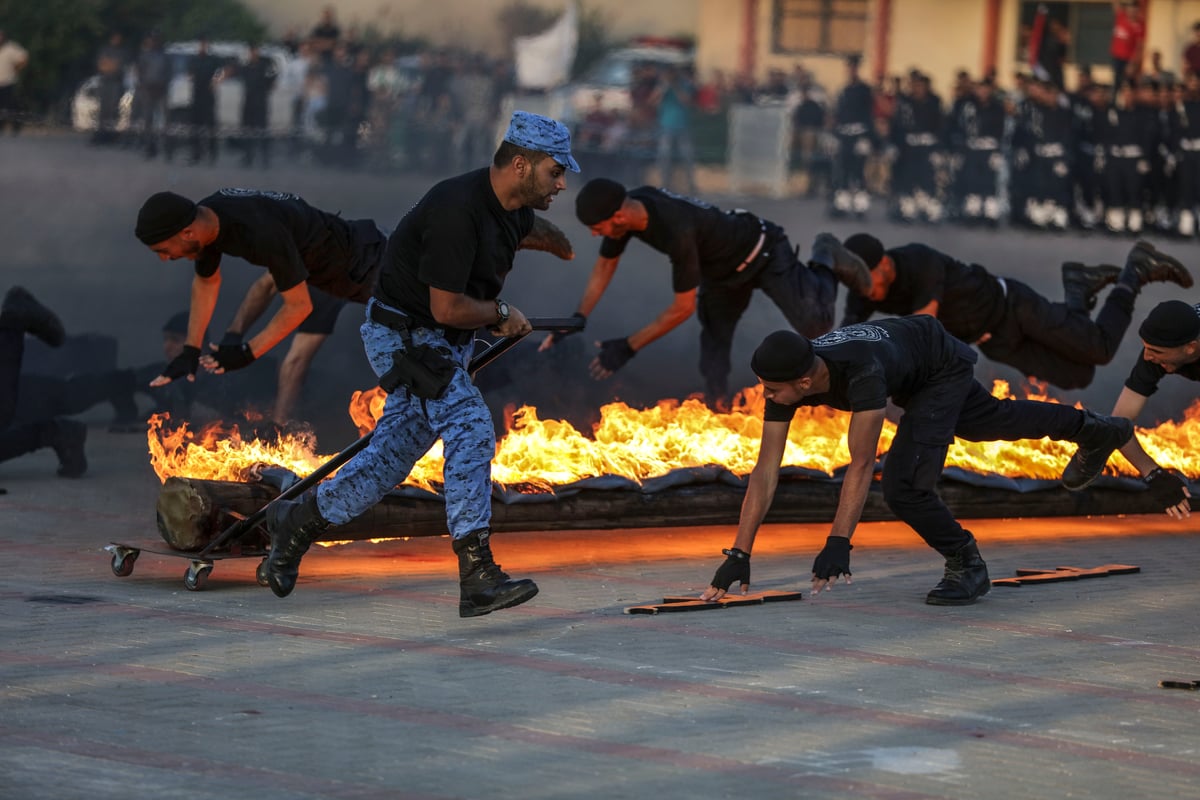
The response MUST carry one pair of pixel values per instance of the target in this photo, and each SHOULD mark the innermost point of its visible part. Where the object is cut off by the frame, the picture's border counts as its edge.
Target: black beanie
(866, 247)
(162, 216)
(598, 200)
(783, 356)
(1171, 324)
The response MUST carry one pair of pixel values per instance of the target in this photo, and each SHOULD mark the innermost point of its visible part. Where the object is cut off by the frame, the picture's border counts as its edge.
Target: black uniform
(297, 243)
(853, 125)
(43, 429)
(258, 78)
(1042, 339)
(916, 133)
(1088, 158)
(727, 255)
(203, 118)
(1187, 156)
(1050, 139)
(921, 368)
(1126, 163)
(976, 136)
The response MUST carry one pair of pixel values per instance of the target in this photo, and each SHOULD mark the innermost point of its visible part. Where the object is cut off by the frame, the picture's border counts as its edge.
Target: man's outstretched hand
(735, 568)
(183, 365)
(557, 336)
(614, 354)
(232, 353)
(832, 561)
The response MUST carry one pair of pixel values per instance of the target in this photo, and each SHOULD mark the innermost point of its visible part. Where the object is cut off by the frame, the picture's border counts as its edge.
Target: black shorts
(324, 314)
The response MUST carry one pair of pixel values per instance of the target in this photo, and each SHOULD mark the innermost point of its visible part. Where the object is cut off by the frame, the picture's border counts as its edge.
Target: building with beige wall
(939, 37)
(471, 23)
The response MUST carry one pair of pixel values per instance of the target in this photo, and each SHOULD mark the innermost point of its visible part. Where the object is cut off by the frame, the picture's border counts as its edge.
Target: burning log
(189, 510)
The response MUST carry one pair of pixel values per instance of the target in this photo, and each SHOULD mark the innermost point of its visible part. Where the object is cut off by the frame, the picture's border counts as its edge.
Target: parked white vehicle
(608, 84)
(85, 106)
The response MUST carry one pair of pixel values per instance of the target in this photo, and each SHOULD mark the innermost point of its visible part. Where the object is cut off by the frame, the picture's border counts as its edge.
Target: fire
(218, 452)
(537, 455)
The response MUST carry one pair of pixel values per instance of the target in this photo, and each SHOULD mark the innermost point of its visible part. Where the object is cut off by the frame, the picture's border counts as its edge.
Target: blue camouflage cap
(549, 136)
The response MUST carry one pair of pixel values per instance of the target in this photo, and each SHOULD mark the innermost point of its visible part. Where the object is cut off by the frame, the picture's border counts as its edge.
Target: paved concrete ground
(364, 683)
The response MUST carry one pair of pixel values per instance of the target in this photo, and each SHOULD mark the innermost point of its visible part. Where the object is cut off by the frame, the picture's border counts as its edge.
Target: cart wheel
(122, 562)
(260, 574)
(196, 577)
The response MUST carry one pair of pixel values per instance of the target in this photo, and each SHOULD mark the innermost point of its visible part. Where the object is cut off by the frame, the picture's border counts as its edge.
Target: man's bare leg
(293, 371)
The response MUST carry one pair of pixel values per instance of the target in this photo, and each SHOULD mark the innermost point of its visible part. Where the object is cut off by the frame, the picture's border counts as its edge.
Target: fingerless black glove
(558, 336)
(1166, 487)
(184, 364)
(615, 353)
(233, 355)
(735, 568)
(834, 559)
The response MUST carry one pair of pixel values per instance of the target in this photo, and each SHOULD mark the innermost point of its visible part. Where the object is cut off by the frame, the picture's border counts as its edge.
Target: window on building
(1089, 24)
(820, 26)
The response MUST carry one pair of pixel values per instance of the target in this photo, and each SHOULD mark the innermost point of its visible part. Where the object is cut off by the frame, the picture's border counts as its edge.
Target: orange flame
(639, 444)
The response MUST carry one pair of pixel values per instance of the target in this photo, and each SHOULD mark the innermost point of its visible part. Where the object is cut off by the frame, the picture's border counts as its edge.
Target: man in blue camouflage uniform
(442, 274)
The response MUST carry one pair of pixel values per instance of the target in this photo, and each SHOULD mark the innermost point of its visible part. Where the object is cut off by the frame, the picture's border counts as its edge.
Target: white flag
(544, 60)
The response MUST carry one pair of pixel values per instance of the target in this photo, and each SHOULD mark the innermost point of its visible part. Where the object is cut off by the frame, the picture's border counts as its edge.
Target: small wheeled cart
(245, 536)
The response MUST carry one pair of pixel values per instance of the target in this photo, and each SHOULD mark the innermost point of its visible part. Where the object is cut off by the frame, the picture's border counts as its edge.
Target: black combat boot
(293, 525)
(965, 580)
(67, 437)
(1097, 438)
(847, 267)
(1145, 264)
(1082, 283)
(484, 586)
(22, 311)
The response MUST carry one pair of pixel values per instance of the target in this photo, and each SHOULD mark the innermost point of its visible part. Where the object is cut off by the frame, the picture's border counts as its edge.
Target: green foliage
(187, 19)
(595, 38)
(523, 18)
(60, 35)
(63, 37)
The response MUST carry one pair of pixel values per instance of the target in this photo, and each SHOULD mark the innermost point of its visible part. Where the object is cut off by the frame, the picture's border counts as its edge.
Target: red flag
(1035, 34)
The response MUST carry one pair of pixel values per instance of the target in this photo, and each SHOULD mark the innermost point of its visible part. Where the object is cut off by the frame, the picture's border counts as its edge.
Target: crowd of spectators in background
(347, 103)
(1124, 157)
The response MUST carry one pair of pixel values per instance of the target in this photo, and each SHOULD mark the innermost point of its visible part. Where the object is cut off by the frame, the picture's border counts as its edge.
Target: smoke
(67, 225)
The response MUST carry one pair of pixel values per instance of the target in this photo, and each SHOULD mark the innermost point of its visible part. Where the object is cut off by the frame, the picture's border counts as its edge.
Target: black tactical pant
(850, 163)
(805, 293)
(19, 438)
(955, 404)
(1054, 343)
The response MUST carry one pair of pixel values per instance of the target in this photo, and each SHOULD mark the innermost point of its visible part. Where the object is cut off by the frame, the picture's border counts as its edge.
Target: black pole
(486, 356)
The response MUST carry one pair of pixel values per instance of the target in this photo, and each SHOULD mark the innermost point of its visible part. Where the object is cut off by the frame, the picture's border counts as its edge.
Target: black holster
(424, 371)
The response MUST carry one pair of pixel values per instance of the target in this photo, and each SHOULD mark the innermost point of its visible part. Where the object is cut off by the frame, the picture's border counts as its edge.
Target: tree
(64, 36)
(595, 38)
(523, 18)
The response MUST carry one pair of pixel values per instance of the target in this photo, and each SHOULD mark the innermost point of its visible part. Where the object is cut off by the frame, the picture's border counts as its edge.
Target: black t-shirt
(872, 361)
(457, 238)
(971, 301)
(281, 232)
(1145, 376)
(202, 70)
(703, 242)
